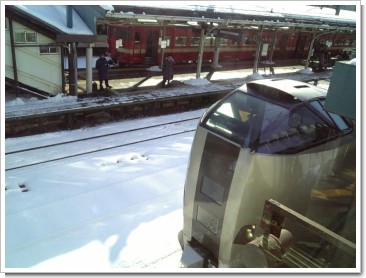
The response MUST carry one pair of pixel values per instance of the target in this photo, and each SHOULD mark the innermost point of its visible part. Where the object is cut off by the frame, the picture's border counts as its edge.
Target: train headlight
(245, 235)
(266, 251)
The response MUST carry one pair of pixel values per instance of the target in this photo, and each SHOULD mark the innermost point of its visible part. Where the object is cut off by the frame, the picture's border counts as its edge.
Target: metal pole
(73, 90)
(257, 54)
(13, 55)
(215, 62)
(273, 45)
(200, 53)
(311, 47)
(162, 50)
(89, 69)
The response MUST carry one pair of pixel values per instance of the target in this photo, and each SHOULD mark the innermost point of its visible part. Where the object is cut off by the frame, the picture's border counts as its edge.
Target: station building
(37, 39)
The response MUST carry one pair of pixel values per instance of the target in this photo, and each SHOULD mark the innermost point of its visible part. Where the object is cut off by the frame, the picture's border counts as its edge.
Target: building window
(48, 49)
(25, 37)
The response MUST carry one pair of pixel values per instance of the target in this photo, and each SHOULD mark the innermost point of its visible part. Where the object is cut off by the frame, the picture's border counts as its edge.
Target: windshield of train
(267, 127)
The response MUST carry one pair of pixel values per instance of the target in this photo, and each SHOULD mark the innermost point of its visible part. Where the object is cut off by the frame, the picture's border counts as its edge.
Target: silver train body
(269, 139)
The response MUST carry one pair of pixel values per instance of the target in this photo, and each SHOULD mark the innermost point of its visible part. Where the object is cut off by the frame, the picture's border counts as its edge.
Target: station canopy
(232, 15)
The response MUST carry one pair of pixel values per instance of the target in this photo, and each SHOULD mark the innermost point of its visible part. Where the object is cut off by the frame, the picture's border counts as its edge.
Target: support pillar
(311, 50)
(258, 51)
(200, 53)
(13, 55)
(89, 69)
(73, 76)
(215, 62)
(270, 57)
(162, 50)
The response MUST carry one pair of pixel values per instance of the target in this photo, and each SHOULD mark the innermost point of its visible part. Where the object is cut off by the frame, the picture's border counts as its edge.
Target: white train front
(269, 139)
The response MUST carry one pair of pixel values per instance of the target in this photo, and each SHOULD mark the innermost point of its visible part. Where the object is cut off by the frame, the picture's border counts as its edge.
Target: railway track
(35, 155)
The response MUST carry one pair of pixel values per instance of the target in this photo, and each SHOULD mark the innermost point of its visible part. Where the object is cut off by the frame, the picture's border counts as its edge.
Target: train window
(336, 119)
(123, 34)
(224, 42)
(180, 41)
(209, 41)
(137, 36)
(302, 129)
(195, 41)
(102, 29)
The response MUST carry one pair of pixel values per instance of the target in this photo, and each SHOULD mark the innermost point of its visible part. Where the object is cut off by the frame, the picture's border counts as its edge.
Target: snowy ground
(120, 210)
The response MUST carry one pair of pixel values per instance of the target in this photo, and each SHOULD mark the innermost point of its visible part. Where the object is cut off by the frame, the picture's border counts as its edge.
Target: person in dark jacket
(167, 70)
(102, 67)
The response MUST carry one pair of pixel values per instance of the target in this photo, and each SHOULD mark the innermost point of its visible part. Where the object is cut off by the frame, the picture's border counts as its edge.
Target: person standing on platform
(167, 70)
(102, 67)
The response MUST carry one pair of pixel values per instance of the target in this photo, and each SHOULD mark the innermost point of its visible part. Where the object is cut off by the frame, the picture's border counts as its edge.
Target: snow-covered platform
(68, 112)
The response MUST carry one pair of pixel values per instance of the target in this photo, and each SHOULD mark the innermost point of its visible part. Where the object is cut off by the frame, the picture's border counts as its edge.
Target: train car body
(270, 139)
(142, 44)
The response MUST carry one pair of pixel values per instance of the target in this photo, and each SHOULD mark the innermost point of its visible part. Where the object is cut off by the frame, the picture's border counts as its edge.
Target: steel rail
(95, 137)
(105, 148)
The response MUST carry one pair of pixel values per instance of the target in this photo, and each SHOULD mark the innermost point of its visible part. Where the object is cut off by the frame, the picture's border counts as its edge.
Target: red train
(130, 45)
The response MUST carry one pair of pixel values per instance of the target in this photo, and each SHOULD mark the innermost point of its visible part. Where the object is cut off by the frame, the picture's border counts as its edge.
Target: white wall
(41, 71)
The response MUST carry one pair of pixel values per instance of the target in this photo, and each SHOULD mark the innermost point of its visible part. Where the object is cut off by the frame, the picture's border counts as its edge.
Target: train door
(152, 43)
(136, 47)
(284, 39)
(300, 46)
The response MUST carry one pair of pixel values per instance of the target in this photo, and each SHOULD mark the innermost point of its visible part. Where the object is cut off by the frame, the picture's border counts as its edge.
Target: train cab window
(269, 128)
(236, 118)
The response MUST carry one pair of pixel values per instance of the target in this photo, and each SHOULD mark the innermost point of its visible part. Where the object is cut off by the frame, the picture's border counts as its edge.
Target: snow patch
(197, 82)
(305, 71)
(15, 102)
(353, 61)
(154, 68)
(255, 76)
(57, 99)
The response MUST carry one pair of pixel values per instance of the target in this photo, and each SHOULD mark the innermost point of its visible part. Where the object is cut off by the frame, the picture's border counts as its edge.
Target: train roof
(278, 89)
